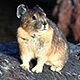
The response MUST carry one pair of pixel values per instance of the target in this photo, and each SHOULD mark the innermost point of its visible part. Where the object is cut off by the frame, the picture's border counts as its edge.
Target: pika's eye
(34, 17)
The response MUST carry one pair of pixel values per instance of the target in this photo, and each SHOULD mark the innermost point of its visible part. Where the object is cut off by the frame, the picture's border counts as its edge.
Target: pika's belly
(38, 47)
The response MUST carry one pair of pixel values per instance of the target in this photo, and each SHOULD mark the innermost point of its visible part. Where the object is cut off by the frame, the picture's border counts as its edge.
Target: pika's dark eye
(34, 17)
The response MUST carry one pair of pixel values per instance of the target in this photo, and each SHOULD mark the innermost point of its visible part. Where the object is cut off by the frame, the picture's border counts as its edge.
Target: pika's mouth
(44, 27)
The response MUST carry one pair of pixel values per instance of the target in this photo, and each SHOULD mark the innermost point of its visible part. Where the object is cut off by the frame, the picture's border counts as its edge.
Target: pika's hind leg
(57, 65)
(58, 61)
(56, 68)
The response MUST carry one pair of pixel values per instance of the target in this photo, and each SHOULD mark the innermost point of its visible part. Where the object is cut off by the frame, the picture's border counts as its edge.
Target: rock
(10, 66)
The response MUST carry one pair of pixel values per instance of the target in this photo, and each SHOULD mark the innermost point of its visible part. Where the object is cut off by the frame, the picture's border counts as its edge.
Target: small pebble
(6, 60)
(0, 73)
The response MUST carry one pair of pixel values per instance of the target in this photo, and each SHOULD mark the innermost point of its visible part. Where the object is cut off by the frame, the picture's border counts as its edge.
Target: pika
(38, 37)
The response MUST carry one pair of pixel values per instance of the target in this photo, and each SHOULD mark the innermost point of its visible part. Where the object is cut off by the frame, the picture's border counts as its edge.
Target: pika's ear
(38, 8)
(21, 9)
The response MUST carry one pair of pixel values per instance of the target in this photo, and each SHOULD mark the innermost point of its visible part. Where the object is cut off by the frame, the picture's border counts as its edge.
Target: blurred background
(65, 13)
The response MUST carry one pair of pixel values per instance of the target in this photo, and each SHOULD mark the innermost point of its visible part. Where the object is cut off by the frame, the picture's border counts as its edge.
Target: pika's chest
(35, 42)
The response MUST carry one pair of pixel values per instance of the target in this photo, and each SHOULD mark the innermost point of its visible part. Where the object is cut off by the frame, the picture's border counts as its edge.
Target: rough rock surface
(10, 66)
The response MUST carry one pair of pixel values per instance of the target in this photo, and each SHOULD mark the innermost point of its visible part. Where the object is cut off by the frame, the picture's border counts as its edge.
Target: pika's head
(32, 20)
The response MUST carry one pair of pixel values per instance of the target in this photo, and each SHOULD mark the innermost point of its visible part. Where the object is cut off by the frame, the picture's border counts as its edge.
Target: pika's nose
(44, 23)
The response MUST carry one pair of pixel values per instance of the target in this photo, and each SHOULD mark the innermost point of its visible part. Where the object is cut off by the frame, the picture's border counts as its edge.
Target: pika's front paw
(55, 68)
(24, 66)
(37, 69)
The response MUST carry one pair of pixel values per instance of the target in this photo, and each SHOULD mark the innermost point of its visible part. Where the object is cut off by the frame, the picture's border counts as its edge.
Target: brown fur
(49, 47)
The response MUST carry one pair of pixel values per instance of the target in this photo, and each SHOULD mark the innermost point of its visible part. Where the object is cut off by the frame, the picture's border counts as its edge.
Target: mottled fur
(48, 45)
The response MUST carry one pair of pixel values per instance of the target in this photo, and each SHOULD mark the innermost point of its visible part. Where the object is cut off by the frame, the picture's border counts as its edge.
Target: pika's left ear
(21, 9)
(37, 7)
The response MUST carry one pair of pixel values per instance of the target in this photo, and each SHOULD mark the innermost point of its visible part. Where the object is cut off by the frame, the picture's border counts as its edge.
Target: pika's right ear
(21, 9)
